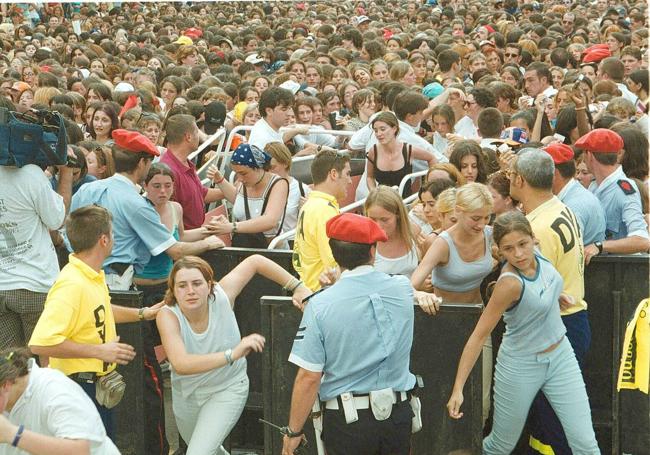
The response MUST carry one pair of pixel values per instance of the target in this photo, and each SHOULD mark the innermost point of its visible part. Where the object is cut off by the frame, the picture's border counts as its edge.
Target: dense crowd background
(454, 88)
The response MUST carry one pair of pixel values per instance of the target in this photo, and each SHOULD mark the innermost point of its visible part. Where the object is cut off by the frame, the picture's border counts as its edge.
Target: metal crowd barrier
(614, 285)
(129, 414)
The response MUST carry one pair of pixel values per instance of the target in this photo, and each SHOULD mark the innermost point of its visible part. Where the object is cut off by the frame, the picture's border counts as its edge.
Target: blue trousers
(545, 427)
(517, 379)
(105, 413)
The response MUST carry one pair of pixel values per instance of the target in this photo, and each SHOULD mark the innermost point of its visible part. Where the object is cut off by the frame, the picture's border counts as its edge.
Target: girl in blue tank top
(535, 355)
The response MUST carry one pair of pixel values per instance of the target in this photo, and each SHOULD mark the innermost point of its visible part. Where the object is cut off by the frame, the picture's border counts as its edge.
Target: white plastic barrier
(407, 179)
(221, 132)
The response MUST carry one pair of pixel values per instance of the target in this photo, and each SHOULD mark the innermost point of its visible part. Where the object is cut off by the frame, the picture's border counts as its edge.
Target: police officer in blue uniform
(587, 208)
(627, 230)
(354, 343)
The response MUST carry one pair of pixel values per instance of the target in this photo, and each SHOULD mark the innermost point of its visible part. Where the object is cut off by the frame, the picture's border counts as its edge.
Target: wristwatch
(292, 434)
(599, 245)
(141, 314)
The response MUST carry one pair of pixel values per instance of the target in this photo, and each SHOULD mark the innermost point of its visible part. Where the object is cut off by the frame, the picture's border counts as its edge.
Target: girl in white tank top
(207, 354)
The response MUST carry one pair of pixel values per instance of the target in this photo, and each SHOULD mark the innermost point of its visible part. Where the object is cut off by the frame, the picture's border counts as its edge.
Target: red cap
(600, 140)
(596, 53)
(352, 228)
(561, 153)
(194, 33)
(133, 141)
(489, 28)
(130, 103)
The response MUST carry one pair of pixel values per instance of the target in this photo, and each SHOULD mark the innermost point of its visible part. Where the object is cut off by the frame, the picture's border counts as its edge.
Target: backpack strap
(266, 201)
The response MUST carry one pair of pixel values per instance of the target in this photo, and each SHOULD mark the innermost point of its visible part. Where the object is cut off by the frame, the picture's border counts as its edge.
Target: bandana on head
(251, 156)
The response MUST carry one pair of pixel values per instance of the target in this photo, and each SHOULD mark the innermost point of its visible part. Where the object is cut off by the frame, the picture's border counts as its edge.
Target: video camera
(33, 137)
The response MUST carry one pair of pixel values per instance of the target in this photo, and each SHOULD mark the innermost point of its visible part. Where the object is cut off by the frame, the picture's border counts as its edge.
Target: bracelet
(141, 314)
(292, 434)
(228, 355)
(234, 227)
(19, 434)
(296, 286)
(292, 284)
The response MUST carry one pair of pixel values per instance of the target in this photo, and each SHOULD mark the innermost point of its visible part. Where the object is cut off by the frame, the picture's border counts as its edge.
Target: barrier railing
(213, 137)
(407, 180)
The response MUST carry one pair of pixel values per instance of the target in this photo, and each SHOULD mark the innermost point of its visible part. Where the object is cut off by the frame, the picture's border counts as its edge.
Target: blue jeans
(517, 379)
(105, 413)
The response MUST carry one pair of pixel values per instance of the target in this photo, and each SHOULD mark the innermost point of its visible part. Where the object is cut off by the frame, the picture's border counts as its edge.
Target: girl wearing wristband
(207, 354)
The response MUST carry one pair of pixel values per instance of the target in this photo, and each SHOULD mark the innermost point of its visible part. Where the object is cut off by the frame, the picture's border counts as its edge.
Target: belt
(84, 377)
(363, 401)
(118, 267)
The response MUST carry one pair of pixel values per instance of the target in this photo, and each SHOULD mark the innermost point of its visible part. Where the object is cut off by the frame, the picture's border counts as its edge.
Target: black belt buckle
(84, 377)
(119, 267)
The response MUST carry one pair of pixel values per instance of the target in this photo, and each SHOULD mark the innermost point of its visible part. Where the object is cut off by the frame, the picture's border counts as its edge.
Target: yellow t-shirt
(560, 241)
(78, 308)
(311, 249)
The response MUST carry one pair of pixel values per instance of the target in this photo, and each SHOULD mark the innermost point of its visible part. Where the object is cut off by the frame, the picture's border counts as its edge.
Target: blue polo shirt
(621, 202)
(137, 230)
(358, 333)
(587, 209)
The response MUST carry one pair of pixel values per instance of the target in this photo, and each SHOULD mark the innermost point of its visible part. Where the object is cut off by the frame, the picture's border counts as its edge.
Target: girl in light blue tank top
(535, 355)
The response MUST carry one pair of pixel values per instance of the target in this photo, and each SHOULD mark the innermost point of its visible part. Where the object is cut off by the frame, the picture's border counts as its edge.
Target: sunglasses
(511, 55)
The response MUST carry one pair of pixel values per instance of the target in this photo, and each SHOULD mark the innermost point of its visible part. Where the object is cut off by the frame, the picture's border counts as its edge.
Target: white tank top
(221, 334)
(403, 265)
(255, 205)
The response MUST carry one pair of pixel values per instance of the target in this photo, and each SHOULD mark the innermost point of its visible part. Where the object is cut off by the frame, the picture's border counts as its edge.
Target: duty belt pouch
(381, 403)
(109, 389)
(349, 409)
(416, 406)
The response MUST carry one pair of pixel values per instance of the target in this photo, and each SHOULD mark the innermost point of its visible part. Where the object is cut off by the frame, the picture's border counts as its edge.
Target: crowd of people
(528, 120)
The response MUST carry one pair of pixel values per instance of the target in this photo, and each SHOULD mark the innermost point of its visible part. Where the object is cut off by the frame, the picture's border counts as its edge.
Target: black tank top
(394, 178)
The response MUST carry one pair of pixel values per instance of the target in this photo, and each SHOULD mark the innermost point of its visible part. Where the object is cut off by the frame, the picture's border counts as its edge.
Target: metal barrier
(219, 133)
(407, 179)
(614, 285)
(431, 358)
(129, 414)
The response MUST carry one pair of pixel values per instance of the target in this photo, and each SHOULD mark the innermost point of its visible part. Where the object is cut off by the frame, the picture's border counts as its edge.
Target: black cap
(215, 116)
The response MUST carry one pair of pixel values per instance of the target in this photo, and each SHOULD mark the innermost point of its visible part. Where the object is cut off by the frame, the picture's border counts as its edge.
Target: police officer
(364, 363)
(627, 230)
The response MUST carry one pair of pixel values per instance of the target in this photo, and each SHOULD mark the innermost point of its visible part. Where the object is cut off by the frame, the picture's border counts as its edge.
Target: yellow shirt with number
(78, 309)
(560, 241)
(311, 249)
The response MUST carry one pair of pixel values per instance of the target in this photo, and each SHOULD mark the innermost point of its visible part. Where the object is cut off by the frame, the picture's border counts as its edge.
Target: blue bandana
(251, 156)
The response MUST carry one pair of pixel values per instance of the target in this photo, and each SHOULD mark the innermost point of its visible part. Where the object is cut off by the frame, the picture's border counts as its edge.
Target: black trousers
(368, 436)
(153, 399)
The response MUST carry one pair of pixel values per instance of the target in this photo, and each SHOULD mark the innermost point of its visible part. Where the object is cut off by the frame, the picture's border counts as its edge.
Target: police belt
(362, 401)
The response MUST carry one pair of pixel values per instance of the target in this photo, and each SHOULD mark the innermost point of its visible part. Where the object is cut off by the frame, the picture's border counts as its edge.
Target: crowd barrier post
(129, 414)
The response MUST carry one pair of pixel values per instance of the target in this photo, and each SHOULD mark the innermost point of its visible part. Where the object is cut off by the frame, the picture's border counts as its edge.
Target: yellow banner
(634, 372)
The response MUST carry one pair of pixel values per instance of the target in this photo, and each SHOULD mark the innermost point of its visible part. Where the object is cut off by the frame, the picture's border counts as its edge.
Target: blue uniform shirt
(621, 202)
(587, 209)
(137, 229)
(359, 333)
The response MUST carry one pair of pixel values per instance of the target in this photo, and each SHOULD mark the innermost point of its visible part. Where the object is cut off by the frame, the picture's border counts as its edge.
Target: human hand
(428, 301)
(329, 276)
(566, 301)
(151, 312)
(72, 158)
(507, 159)
(219, 225)
(578, 97)
(525, 102)
(301, 129)
(115, 352)
(418, 212)
(214, 174)
(428, 285)
(7, 430)
(540, 103)
(300, 294)
(590, 252)
(253, 342)
(289, 445)
(213, 242)
(453, 405)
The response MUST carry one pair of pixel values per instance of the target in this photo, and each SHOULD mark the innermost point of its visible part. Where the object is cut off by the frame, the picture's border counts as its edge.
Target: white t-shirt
(29, 209)
(262, 134)
(465, 127)
(54, 405)
(293, 205)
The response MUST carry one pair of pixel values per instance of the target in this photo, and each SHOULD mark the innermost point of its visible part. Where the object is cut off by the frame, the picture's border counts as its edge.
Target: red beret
(133, 141)
(600, 140)
(596, 53)
(349, 227)
(193, 33)
(561, 153)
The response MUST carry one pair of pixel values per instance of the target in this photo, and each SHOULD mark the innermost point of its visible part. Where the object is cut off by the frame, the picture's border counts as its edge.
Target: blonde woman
(399, 255)
(402, 71)
(461, 257)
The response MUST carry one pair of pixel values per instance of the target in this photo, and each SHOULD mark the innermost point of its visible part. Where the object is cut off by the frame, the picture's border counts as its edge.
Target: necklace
(261, 178)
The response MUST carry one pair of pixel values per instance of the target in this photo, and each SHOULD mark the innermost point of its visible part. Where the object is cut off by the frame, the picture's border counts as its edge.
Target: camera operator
(29, 210)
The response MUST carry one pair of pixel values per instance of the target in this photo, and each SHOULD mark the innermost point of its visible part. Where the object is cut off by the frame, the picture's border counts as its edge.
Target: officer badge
(626, 186)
